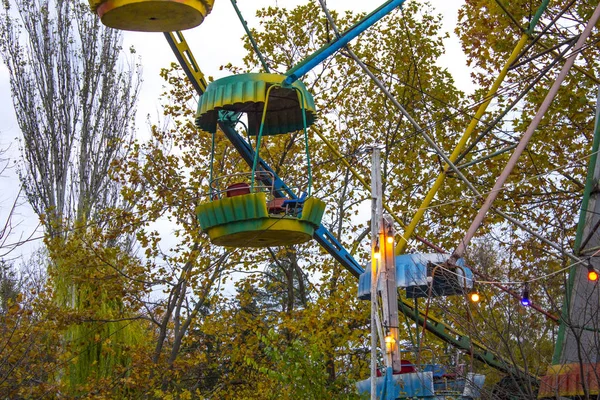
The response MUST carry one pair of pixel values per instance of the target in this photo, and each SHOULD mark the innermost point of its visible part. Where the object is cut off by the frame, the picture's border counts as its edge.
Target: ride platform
(570, 381)
(246, 221)
(427, 384)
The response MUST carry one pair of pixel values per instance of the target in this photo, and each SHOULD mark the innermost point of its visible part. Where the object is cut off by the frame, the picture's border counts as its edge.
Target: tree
(172, 179)
(67, 79)
(331, 324)
(8, 286)
(224, 323)
(164, 178)
(7, 224)
(75, 104)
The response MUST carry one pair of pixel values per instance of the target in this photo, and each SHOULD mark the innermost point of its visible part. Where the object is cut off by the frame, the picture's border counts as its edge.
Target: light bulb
(525, 296)
(592, 274)
(376, 254)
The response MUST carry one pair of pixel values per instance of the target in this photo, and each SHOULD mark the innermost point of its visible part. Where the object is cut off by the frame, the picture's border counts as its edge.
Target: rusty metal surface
(567, 380)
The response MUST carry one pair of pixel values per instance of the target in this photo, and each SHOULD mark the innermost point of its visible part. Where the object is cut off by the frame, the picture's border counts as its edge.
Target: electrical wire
(497, 94)
(511, 283)
(464, 110)
(573, 164)
(543, 32)
(492, 124)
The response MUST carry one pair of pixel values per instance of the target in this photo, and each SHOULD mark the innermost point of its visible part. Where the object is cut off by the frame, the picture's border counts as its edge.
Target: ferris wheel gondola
(152, 15)
(243, 210)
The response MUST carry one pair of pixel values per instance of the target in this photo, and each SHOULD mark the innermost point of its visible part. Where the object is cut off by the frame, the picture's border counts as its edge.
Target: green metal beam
(492, 155)
(460, 340)
(252, 41)
(589, 187)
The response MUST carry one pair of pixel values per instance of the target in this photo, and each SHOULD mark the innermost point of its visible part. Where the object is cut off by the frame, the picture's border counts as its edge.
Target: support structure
(460, 250)
(449, 160)
(409, 230)
(249, 34)
(469, 131)
(383, 283)
(575, 369)
(376, 202)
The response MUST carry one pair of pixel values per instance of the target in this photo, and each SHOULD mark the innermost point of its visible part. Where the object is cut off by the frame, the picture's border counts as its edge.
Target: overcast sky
(215, 42)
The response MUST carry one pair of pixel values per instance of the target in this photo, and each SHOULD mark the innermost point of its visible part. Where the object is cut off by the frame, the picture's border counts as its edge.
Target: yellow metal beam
(403, 241)
(186, 60)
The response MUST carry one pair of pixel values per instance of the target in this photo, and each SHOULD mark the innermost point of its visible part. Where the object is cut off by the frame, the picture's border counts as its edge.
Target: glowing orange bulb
(593, 275)
(474, 296)
(390, 239)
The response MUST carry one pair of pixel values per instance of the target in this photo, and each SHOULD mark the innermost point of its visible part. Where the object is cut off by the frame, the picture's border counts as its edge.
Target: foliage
(29, 336)
(9, 289)
(299, 370)
(184, 319)
(74, 103)
(97, 306)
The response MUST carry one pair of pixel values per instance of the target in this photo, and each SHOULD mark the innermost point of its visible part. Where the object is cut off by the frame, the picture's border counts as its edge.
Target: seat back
(238, 189)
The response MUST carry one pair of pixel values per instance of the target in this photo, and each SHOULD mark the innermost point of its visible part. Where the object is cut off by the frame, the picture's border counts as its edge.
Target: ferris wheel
(258, 209)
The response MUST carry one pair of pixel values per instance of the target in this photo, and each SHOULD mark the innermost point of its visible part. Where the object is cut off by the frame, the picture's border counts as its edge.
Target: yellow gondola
(152, 15)
(239, 216)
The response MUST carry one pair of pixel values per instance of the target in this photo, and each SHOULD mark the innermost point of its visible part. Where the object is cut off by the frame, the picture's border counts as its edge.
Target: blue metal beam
(300, 69)
(335, 248)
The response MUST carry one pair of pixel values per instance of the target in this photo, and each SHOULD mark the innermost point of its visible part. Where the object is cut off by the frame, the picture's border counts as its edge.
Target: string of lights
(592, 275)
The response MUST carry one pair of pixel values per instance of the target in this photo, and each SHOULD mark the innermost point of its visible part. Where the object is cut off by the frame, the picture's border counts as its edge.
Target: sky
(217, 41)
